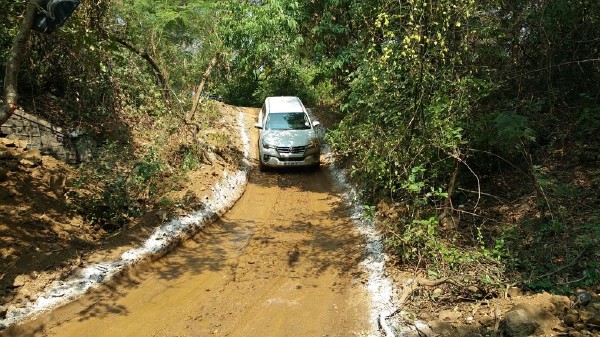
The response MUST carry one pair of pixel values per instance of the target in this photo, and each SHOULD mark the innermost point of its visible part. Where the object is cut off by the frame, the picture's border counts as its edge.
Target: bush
(112, 190)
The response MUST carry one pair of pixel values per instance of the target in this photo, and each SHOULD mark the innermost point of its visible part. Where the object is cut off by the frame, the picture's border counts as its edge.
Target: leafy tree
(120, 72)
(265, 51)
(177, 39)
(408, 99)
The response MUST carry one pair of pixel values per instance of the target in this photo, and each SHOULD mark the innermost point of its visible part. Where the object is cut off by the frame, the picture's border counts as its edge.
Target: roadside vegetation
(124, 77)
(470, 126)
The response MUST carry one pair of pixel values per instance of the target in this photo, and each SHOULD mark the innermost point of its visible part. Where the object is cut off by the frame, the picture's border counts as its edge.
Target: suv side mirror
(316, 123)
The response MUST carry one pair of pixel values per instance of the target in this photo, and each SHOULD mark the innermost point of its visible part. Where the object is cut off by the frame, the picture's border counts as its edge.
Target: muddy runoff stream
(284, 261)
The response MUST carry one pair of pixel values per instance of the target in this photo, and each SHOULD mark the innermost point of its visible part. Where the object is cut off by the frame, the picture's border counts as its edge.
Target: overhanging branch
(143, 54)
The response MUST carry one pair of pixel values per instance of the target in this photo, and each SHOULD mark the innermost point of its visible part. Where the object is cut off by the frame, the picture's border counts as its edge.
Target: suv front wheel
(262, 167)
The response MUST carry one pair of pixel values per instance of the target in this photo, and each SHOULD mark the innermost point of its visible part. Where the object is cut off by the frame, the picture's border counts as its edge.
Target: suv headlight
(313, 143)
(268, 146)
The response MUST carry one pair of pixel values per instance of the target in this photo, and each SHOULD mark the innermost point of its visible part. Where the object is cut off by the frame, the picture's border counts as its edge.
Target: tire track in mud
(301, 263)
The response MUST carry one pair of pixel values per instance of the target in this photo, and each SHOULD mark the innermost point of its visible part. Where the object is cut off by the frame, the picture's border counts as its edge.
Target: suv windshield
(287, 121)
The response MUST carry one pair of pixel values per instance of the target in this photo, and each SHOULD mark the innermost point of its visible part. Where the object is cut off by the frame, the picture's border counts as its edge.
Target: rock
(162, 215)
(583, 298)
(594, 320)
(27, 163)
(514, 292)
(32, 155)
(473, 289)
(487, 320)
(438, 291)
(3, 311)
(449, 315)
(520, 322)
(8, 141)
(20, 281)
(570, 319)
(442, 328)
(14, 141)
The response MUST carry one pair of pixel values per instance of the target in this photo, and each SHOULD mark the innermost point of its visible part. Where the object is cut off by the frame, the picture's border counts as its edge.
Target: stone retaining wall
(42, 136)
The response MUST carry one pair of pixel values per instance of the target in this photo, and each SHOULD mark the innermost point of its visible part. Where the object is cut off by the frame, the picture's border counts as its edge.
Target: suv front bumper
(272, 158)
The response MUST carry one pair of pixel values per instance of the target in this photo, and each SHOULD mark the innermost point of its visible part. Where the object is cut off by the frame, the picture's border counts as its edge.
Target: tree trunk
(11, 75)
(446, 218)
(200, 87)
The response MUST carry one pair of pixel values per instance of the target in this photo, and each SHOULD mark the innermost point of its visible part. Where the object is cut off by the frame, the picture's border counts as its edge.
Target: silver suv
(287, 136)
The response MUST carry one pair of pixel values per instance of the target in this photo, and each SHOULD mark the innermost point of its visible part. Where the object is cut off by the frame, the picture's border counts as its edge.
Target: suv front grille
(292, 149)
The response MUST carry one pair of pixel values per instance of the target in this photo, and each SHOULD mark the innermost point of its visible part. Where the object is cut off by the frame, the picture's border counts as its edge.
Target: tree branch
(143, 54)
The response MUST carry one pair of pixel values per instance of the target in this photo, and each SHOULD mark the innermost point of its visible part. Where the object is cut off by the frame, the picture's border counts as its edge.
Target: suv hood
(288, 137)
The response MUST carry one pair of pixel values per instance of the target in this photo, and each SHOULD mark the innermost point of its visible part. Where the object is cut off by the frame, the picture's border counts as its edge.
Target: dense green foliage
(266, 56)
(8, 27)
(444, 108)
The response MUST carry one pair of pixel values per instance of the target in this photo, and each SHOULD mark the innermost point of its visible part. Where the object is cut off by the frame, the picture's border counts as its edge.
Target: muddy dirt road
(284, 261)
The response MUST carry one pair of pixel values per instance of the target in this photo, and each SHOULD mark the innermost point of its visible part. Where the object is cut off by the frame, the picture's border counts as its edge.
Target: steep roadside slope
(42, 240)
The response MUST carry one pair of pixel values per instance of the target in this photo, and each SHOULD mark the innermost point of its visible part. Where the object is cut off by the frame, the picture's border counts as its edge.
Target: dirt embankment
(42, 239)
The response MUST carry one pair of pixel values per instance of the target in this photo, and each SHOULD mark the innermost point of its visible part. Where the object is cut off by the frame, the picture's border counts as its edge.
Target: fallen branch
(482, 193)
(496, 321)
(387, 330)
